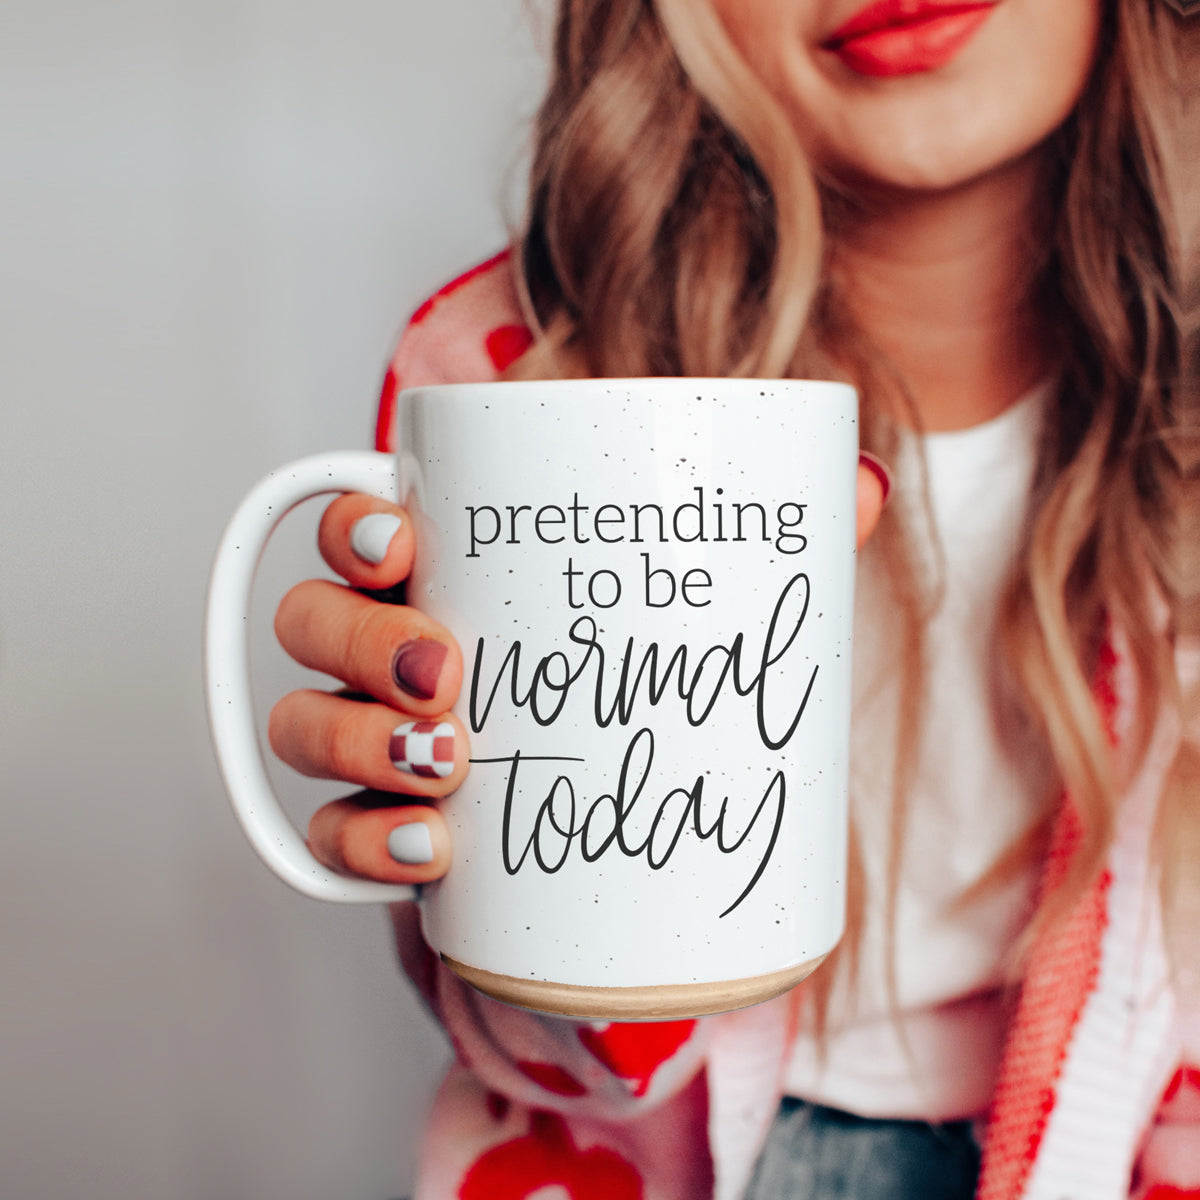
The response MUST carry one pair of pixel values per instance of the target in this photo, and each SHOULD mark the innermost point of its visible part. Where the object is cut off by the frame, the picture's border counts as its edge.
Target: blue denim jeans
(817, 1153)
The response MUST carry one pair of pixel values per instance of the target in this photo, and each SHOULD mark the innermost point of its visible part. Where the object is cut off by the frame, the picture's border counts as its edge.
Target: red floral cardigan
(678, 1110)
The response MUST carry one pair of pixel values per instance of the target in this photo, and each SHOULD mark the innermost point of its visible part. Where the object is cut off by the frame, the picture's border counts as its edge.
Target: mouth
(906, 37)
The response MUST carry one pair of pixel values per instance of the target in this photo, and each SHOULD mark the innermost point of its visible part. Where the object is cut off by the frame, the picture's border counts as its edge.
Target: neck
(942, 283)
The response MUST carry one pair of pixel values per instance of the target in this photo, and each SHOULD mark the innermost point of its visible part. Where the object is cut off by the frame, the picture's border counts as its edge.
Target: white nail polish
(371, 535)
(411, 844)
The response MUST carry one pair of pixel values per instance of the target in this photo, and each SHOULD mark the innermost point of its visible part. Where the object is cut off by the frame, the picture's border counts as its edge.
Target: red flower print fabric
(548, 1156)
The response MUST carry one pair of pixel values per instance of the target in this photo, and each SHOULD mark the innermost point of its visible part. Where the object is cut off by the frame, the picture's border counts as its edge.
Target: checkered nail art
(424, 748)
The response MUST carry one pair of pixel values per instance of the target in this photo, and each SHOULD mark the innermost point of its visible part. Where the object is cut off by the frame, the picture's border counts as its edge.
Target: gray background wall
(214, 217)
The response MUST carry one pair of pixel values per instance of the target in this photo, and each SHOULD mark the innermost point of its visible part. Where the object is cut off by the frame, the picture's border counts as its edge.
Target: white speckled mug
(652, 583)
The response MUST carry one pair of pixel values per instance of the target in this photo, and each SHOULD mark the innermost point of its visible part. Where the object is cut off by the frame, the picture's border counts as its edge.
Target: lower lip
(910, 49)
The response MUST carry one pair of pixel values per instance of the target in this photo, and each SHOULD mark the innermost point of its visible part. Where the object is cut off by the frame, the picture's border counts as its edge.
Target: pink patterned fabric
(678, 1110)
(1169, 1167)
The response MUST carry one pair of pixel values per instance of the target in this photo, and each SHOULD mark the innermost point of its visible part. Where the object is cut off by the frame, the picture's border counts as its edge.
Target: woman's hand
(390, 730)
(874, 485)
(402, 673)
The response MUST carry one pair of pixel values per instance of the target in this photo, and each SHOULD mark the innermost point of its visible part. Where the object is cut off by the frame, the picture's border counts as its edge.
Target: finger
(368, 542)
(332, 737)
(874, 485)
(392, 652)
(385, 842)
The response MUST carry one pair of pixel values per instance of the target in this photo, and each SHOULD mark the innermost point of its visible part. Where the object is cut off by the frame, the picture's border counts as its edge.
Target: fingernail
(424, 748)
(876, 467)
(370, 536)
(417, 666)
(411, 844)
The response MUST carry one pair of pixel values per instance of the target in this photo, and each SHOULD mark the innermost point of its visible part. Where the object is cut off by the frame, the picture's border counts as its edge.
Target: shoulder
(466, 332)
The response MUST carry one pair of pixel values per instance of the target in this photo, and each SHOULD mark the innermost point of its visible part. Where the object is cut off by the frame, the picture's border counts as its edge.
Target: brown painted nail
(876, 467)
(417, 667)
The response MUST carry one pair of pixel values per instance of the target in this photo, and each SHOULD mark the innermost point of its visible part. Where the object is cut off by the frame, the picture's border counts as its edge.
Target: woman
(962, 208)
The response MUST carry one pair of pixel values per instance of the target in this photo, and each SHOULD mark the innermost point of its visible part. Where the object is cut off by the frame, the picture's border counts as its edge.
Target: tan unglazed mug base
(664, 1002)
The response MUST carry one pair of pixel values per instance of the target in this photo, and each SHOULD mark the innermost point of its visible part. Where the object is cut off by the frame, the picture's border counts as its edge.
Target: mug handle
(227, 667)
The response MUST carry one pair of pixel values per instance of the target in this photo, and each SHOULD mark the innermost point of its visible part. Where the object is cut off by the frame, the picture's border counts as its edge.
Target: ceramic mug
(652, 585)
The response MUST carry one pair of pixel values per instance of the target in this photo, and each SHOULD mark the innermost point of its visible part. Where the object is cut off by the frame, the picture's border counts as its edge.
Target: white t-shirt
(980, 781)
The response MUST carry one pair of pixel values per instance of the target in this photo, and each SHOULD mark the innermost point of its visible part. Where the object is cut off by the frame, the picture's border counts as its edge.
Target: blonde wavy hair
(675, 228)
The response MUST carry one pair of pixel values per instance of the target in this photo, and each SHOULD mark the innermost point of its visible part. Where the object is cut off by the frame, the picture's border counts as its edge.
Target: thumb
(874, 485)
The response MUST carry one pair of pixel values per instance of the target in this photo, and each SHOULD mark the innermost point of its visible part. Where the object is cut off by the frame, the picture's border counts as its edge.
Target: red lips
(906, 37)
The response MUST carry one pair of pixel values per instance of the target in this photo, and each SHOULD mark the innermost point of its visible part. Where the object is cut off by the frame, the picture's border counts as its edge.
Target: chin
(900, 164)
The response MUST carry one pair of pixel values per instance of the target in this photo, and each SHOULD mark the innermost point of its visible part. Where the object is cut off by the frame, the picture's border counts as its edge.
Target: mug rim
(606, 384)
